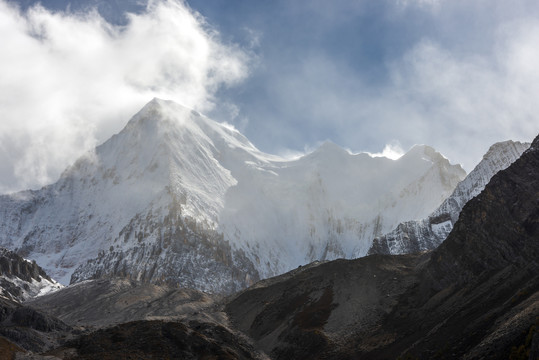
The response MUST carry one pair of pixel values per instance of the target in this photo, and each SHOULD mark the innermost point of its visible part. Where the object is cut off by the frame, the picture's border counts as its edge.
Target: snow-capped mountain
(177, 197)
(428, 233)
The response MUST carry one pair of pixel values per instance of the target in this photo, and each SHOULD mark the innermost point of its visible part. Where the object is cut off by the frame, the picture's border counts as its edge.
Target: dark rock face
(314, 313)
(8, 350)
(498, 228)
(473, 297)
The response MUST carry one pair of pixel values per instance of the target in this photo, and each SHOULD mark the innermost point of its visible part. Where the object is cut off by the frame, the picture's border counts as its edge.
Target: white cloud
(69, 81)
(466, 103)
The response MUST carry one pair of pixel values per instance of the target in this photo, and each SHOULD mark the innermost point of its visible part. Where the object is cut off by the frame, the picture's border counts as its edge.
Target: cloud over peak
(70, 80)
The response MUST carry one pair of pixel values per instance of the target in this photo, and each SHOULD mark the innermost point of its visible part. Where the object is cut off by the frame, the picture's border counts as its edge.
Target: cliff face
(426, 234)
(475, 296)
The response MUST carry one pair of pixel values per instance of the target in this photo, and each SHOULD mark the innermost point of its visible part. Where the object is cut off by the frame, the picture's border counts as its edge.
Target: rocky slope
(22, 328)
(105, 302)
(26, 330)
(156, 339)
(111, 319)
(175, 192)
(476, 296)
(426, 234)
(21, 279)
(128, 319)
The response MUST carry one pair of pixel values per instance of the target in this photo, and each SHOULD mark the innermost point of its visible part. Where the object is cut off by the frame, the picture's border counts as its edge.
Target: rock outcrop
(21, 279)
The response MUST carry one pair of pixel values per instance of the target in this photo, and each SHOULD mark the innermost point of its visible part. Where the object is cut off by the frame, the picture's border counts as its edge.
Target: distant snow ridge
(176, 197)
(330, 204)
(428, 233)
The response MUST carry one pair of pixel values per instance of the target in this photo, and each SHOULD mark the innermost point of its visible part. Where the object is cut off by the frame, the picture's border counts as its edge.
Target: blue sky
(456, 75)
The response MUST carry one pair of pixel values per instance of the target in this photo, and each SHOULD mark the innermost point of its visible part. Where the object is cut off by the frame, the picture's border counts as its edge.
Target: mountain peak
(162, 111)
(429, 154)
(167, 119)
(328, 150)
(329, 146)
(164, 105)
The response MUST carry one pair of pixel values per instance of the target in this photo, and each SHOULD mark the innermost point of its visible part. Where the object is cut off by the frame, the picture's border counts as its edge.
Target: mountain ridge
(255, 214)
